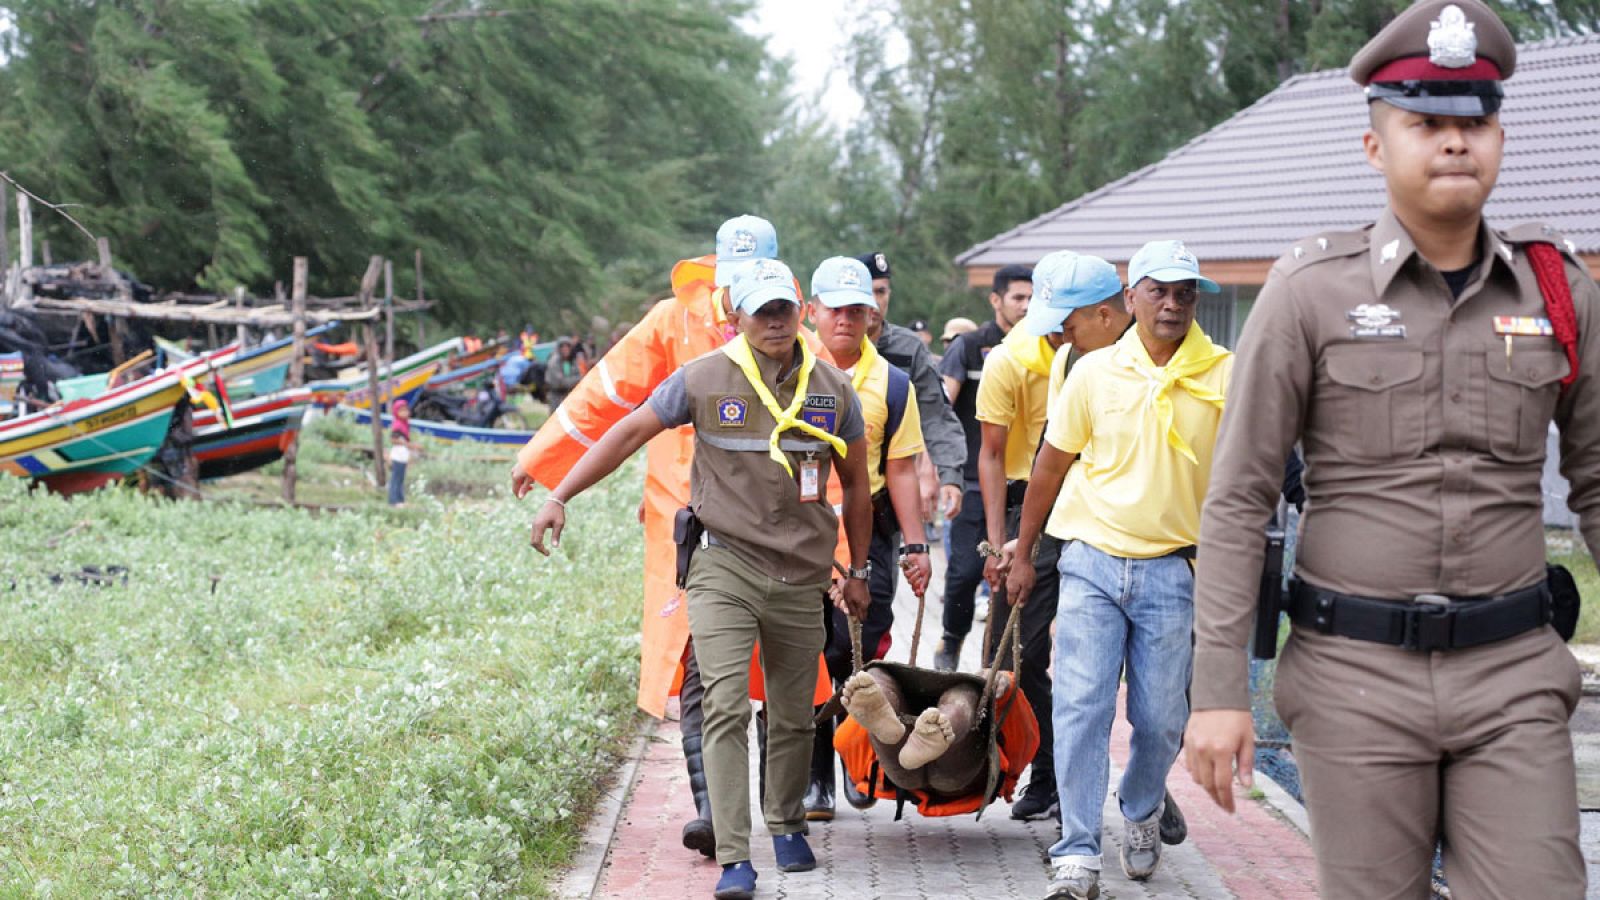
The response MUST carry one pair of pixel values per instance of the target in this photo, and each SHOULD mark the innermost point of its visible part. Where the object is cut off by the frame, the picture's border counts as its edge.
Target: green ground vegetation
(278, 702)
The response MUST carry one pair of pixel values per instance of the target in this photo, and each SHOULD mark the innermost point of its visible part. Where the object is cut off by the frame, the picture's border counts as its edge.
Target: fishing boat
(465, 376)
(448, 431)
(10, 380)
(250, 434)
(84, 443)
(357, 393)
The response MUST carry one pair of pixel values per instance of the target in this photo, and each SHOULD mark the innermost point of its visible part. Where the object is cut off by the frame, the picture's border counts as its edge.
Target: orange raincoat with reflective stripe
(688, 324)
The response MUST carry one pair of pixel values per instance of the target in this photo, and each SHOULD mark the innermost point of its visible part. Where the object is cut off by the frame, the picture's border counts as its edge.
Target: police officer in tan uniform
(769, 421)
(1416, 362)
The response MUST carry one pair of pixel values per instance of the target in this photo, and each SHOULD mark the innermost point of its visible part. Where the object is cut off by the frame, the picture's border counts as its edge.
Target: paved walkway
(1254, 855)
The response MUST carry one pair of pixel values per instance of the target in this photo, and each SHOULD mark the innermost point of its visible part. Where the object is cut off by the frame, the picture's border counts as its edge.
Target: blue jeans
(397, 483)
(1114, 611)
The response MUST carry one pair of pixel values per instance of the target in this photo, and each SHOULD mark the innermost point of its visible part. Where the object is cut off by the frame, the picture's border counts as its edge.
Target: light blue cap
(1168, 261)
(1064, 281)
(757, 283)
(740, 240)
(843, 281)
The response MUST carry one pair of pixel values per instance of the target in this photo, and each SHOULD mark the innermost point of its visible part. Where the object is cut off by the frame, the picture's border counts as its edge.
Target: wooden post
(388, 312)
(119, 353)
(241, 334)
(102, 249)
(297, 371)
(5, 225)
(25, 231)
(369, 339)
(422, 315)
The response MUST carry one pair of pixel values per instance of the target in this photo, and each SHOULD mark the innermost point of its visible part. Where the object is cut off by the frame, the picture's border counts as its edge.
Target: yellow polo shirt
(1132, 493)
(1014, 392)
(906, 440)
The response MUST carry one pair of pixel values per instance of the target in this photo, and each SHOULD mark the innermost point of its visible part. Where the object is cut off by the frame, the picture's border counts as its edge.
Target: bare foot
(870, 708)
(929, 739)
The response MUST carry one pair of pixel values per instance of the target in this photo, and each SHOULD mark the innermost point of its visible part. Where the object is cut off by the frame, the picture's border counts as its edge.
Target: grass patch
(276, 703)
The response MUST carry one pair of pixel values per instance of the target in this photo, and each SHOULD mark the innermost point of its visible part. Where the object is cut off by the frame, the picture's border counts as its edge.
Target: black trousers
(1034, 631)
(885, 580)
(964, 571)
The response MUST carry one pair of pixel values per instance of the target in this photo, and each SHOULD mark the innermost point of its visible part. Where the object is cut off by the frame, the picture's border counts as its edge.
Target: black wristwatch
(861, 574)
(908, 549)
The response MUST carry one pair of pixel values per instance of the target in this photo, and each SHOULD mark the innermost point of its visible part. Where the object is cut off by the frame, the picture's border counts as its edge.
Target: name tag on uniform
(1531, 326)
(1375, 321)
(810, 481)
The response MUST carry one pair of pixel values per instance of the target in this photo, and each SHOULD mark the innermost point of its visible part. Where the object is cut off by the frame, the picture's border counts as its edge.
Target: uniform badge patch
(821, 410)
(821, 418)
(1375, 320)
(731, 412)
(743, 243)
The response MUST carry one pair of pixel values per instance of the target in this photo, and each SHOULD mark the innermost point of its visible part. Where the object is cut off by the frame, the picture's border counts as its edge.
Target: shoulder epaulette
(1538, 233)
(1325, 246)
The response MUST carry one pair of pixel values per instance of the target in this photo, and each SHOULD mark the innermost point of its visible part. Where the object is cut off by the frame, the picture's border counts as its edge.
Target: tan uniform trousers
(1397, 747)
(731, 605)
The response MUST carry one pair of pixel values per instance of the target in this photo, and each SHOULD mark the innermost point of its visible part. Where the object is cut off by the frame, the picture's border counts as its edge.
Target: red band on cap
(1418, 68)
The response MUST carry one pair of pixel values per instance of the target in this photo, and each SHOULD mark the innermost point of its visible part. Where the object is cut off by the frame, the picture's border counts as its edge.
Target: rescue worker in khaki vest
(840, 307)
(1420, 362)
(693, 321)
(770, 421)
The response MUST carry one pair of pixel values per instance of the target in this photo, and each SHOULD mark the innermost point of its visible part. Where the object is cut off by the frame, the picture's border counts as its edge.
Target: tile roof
(1291, 165)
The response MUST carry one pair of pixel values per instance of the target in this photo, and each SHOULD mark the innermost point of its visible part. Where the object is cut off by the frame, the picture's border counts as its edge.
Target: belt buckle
(1429, 623)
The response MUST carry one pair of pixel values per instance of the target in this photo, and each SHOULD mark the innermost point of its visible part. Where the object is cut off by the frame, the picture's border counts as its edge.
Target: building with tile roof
(1291, 165)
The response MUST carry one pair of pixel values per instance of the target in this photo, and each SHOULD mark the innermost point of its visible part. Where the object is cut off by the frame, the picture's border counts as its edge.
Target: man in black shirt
(960, 369)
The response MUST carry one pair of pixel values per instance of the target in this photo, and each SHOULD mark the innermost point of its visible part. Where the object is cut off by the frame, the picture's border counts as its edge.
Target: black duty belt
(1190, 553)
(1428, 622)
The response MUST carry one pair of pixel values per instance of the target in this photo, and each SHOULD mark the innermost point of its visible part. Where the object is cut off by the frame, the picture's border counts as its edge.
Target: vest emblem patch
(821, 410)
(731, 412)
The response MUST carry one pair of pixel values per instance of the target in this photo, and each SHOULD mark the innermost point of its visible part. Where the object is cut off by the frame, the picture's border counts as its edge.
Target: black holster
(1564, 600)
(1269, 598)
(686, 531)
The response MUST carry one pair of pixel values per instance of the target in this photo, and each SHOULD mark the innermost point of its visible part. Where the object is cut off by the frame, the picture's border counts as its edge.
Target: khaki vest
(740, 493)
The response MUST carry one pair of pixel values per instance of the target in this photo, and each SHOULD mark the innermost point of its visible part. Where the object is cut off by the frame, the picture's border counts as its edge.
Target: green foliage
(549, 155)
(281, 704)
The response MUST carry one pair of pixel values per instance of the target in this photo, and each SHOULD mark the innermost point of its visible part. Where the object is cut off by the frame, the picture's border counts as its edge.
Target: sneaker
(948, 656)
(1036, 802)
(738, 882)
(1173, 827)
(1073, 882)
(793, 853)
(1141, 847)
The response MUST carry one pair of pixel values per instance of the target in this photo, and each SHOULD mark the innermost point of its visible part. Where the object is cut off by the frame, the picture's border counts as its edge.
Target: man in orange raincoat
(692, 322)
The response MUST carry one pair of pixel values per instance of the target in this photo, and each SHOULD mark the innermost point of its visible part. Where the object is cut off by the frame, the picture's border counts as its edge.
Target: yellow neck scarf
(865, 364)
(1195, 356)
(1035, 353)
(739, 351)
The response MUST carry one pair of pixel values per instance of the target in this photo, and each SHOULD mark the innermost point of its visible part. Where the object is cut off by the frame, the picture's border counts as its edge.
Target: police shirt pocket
(1374, 401)
(1522, 398)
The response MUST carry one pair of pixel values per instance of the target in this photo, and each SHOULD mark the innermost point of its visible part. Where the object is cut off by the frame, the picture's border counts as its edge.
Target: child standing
(400, 448)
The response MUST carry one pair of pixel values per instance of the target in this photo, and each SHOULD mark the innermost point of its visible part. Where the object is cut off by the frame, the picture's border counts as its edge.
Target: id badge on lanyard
(810, 479)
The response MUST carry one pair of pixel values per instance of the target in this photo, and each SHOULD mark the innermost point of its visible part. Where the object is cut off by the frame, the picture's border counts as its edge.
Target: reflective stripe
(760, 445)
(611, 387)
(974, 374)
(572, 430)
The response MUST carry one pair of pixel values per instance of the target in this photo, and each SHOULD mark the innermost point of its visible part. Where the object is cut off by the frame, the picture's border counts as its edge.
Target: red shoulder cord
(1552, 277)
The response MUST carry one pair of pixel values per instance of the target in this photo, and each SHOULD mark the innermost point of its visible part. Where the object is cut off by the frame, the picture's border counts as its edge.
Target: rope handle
(922, 606)
(1011, 634)
(855, 627)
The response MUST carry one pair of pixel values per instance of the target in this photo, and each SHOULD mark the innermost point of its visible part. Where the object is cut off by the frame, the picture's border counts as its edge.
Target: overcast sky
(812, 34)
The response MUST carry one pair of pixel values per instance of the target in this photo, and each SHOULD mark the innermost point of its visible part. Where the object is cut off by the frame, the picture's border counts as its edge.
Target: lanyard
(739, 351)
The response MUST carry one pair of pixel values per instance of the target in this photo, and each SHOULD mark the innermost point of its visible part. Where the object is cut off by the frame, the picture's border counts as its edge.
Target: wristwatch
(861, 574)
(908, 549)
